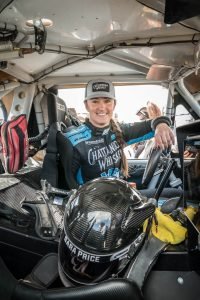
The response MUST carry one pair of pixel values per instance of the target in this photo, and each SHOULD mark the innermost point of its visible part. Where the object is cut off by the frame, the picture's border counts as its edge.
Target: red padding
(14, 139)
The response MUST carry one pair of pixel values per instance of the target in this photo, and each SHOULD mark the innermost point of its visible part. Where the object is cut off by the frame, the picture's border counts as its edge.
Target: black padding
(117, 289)
(146, 258)
(7, 282)
(45, 272)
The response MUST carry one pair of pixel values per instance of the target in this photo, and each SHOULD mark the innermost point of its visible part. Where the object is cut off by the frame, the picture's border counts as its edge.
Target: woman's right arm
(137, 132)
(140, 131)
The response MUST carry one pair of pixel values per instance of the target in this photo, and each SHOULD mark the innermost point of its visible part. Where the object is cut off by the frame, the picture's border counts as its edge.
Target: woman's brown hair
(119, 137)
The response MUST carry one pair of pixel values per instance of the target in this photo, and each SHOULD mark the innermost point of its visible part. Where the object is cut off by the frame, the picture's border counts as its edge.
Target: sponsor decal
(80, 253)
(100, 87)
(114, 172)
(60, 106)
(83, 255)
(121, 254)
(106, 156)
(78, 135)
(96, 142)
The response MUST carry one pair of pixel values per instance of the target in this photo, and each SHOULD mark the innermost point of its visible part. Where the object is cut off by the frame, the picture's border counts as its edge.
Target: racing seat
(56, 116)
(11, 288)
(54, 109)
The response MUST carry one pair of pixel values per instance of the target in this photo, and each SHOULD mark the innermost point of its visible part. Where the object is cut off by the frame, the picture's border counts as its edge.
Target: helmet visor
(81, 271)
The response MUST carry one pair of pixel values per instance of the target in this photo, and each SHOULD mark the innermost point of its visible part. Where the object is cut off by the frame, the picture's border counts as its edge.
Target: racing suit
(96, 151)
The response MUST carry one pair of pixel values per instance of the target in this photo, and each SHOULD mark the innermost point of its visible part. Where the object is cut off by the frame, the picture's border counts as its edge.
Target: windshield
(130, 99)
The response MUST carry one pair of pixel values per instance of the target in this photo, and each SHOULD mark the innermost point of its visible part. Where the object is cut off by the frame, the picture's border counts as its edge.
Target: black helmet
(102, 227)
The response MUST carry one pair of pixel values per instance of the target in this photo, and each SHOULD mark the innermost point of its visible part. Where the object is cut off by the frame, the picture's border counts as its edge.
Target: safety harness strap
(50, 169)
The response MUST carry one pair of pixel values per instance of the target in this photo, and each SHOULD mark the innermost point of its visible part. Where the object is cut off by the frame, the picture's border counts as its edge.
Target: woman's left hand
(153, 110)
(164, 136)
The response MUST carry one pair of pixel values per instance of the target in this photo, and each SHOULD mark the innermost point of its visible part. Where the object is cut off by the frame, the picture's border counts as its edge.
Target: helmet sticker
(121, 254)
(80, 253)
(83, 255)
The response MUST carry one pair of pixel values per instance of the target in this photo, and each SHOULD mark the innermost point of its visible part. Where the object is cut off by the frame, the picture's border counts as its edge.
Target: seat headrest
(53, 108)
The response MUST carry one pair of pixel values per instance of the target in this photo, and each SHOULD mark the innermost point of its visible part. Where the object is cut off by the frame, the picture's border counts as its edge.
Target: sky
(129, 99)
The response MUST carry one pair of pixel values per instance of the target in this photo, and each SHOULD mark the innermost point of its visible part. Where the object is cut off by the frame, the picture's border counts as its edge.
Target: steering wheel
(151, 166)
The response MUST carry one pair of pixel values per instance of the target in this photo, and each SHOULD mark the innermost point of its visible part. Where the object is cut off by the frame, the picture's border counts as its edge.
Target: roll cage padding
(118, 289)
(14, 139)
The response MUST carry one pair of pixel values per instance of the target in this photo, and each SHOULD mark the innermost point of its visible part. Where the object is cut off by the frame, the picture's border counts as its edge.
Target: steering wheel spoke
(154, 158)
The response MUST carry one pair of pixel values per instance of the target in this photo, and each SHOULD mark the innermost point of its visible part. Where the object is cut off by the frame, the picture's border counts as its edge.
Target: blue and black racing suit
(96, 152)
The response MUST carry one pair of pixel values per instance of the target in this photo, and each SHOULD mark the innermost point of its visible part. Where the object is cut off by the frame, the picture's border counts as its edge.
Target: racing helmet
(102, 228)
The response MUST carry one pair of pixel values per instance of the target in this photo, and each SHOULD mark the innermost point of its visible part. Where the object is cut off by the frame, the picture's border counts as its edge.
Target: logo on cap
(100, 87)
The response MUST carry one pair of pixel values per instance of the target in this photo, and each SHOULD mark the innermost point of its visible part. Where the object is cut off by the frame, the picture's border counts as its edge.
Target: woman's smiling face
(100, 111)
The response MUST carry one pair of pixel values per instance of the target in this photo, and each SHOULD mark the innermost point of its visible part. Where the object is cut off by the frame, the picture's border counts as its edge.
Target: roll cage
(45, 44)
